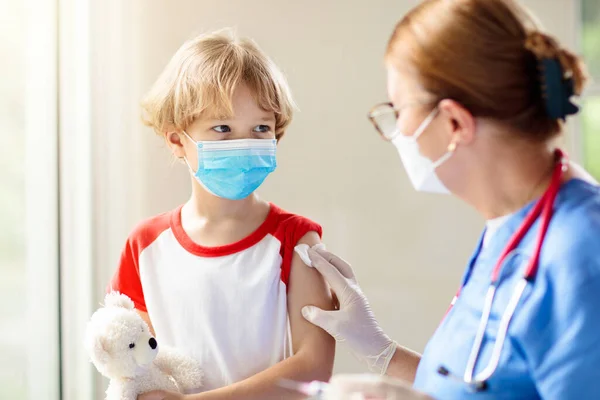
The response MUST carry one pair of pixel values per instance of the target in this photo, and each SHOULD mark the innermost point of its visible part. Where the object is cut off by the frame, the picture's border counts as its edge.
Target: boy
(217, 277)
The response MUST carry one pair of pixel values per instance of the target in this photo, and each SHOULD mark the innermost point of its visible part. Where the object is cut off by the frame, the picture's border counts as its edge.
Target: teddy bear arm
(185, 370)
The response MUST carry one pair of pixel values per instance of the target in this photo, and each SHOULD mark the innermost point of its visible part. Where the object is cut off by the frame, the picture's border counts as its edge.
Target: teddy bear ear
(116, 299)
(98, 352)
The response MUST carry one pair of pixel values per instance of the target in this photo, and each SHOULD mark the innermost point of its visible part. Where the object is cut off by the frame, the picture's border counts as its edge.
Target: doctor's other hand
(353, 322)
(371, 387)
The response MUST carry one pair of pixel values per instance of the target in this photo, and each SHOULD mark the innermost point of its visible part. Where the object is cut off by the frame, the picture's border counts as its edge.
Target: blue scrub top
(552, 350)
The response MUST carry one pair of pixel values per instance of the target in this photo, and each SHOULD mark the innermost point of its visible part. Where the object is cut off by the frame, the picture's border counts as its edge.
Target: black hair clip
(557, 90)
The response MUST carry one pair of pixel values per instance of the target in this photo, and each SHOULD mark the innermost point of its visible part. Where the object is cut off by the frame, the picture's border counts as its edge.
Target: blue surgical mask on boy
(234, 169)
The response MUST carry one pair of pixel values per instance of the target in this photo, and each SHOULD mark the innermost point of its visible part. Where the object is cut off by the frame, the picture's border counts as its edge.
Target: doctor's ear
(176, 142)
(461, 123)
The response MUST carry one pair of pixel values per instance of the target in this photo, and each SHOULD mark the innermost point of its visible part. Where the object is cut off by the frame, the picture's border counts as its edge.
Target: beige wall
(408, 249)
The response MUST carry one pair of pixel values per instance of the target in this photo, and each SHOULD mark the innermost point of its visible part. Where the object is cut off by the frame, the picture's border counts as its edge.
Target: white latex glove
(354, 322)
(372, 387)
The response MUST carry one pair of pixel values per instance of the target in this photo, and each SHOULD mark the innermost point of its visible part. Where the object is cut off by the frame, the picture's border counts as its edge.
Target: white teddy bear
(122, 348)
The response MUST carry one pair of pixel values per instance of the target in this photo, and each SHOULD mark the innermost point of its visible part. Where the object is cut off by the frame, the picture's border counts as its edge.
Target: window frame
(91, 122)
(42, 201)
(76, 195)
(593, 87)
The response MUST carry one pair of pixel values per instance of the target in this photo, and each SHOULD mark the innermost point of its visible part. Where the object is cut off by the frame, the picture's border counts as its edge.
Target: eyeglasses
(384, 117)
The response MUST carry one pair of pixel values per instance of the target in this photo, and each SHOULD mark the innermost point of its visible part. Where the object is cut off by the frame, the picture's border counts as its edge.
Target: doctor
(478, 98)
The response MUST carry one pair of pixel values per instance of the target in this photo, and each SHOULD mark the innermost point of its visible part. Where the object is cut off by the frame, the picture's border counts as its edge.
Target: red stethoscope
(543, 209)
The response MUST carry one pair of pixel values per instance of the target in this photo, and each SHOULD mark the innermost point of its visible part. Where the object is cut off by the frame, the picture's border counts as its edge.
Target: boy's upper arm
(146, 319)
(307, 287)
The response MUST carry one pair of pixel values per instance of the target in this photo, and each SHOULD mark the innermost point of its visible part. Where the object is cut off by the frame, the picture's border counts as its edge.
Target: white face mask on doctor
(420, 169)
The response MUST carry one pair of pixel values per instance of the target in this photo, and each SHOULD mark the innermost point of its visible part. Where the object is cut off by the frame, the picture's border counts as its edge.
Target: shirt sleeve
(294, 228)
(563, 342)
(126, 279)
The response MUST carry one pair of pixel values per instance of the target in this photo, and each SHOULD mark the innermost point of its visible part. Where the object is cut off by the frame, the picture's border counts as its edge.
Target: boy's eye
(262, 129)
(222, 128)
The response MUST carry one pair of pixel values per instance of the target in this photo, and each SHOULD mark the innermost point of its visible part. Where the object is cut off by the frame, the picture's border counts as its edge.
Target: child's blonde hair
(200, 79)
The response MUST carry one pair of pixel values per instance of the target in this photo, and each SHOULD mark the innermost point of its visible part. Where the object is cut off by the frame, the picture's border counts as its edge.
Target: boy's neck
(207, 206)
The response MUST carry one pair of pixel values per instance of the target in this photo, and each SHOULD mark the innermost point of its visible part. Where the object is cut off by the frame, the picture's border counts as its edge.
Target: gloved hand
(354, 322)
(372, 387)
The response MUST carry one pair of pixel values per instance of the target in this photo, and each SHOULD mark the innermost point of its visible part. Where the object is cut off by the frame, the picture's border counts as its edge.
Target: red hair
(484, 54)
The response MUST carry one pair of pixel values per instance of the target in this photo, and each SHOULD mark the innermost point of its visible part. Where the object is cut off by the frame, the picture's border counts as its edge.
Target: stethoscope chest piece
(473, 386)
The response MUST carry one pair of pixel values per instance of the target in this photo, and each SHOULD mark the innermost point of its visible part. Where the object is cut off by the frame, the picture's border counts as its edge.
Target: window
(13, 322)
(29, 315)
(590, 16)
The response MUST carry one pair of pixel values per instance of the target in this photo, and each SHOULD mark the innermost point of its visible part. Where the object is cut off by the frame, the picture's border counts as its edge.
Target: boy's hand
(161, 395)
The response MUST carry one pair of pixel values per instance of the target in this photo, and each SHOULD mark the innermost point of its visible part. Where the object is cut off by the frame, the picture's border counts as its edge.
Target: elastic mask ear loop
(189, 137)
(189, 166)
(425, 124)
(184, 157)
(449, 152)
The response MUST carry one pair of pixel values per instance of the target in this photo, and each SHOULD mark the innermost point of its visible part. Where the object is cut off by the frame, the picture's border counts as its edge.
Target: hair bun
(542, 45)
(563, 74)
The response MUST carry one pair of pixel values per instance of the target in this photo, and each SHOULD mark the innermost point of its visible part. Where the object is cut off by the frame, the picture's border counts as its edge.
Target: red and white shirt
(225, 306)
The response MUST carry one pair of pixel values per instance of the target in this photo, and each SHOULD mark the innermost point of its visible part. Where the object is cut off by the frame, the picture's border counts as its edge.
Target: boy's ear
(175, 141)
(174, 138)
